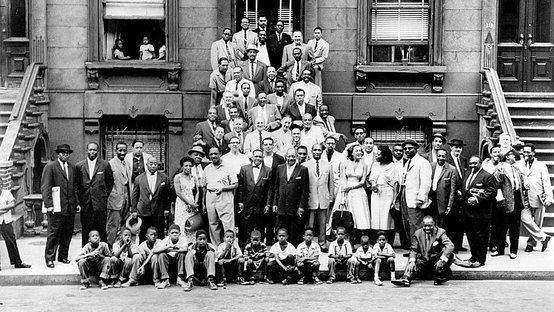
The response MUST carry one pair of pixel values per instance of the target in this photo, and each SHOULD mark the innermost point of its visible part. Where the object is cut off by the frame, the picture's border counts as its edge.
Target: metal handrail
(499, 100)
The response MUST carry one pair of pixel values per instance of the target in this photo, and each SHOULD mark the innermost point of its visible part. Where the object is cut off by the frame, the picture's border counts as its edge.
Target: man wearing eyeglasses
(227, 49)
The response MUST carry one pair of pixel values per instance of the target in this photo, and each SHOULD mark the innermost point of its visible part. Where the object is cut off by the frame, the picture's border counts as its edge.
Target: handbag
(342, 217)
(194, 222)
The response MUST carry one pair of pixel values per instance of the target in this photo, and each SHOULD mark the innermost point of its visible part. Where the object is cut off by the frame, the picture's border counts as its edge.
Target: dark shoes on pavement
(545, 243)
(22, 266)
(50, 264)
(211, 284)
(65, 261)
(529, 248)
(403, 282)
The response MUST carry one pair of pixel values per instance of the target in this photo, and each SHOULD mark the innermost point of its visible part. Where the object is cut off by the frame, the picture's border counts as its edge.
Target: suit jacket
(219, 50)
(265, 86)
(252, 141)
(322, 187)
(294, 112)
(537, 182)
(276, 47)
(255, 195)
(227, 137)
(146, 203)
(446, 187)
(221, 113)
(418, 180)
(238, 39)
(272, 113)
(224, 146)
(289, 67)
(287, 100)
(204, 129)
(427, 251)
(120, 190)
(321, 53)
(291, 194)
(260, 74)
(93, 193)
(307, 53)
(336, 159)
(54, 175)
(504, 185)
(487, 186)
(429, 156)
(129, 164)
(315, 99)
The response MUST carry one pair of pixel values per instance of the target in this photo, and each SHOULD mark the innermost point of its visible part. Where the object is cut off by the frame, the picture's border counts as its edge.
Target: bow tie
(257, 167)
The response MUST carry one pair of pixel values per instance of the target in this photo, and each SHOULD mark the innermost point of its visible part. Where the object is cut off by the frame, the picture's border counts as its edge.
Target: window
(389, 131)
(288, 11)
(399, 31)
(18, 19)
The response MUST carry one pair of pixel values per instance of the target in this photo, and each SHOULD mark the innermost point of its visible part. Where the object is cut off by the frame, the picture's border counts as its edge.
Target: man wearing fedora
(254, 70)
(415, 186)
(438, 142)
(455, 219)
(59, 195)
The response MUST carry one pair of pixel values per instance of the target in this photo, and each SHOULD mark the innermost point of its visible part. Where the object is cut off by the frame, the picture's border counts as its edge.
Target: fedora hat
(252, 47)
(439, 135)
(412, 142)
(63, 148)
(133, 226)
(197, 149)
(456, 142)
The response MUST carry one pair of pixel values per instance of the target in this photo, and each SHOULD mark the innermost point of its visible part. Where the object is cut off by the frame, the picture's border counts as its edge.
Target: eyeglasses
(234, 142)
(358, 133)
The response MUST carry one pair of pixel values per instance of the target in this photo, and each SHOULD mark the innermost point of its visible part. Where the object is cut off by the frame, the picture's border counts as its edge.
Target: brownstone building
(402, 68)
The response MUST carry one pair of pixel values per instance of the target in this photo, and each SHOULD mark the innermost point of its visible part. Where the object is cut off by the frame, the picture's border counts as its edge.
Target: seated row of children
(201, 262)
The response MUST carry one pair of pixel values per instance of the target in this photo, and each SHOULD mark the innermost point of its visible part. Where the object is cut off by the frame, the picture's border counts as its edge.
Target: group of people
(146, 50)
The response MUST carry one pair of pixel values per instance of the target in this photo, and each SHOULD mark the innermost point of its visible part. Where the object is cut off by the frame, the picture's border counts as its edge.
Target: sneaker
(211, 284)
(300, 281)
(495, 253)
(317, 281)
(528, 248)
(163, 284)
(129, 283)
(187, 286)
(117, 284)
(242, 281)
(103, 285)
(378, 282)
(180, 282)
(353, 281)
(84, 286)
(331, 280)
(513, 256)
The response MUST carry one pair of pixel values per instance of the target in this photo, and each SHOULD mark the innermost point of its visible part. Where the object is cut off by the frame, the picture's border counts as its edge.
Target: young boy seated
(340, 256)
(282, 262)
(122, 259)
(145, 261)
(363, 257)
(171, 256)
(307, 258)
(255, 258)
(200, 262)
(94, 258)
(382, 251)
(229, 260)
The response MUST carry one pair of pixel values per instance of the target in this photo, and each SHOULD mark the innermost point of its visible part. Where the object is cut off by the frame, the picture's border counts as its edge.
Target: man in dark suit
(455, 219)
(94, 184)
(205, 130)
(268, 85)
(280, 98)
(479, 190)
(271, 160)
(151, 197)
(59, 182)
(430, 255)
(254, 185)
(298, 109)
(443, 188)
(277, 41)
(294, 68)
(290, 199)
(254, 70)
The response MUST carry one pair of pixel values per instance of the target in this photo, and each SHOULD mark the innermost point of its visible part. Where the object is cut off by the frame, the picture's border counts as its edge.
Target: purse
(194, 222)
(342, 217)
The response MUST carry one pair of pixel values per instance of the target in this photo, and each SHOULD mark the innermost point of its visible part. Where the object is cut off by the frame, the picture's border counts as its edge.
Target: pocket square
(100, 172)
(298, 178)
(479, 184)
(163, 183)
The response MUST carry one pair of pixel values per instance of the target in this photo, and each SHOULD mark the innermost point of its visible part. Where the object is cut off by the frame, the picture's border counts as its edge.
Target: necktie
(457, 160)
(245, 40)
(228, 51)
(236, 85)
(329, 156)
(66, 171)
(252, 70)
(427, 241)
(297, 76)
(261, 139)
(317, 167)
(279, 36)
(315, 48)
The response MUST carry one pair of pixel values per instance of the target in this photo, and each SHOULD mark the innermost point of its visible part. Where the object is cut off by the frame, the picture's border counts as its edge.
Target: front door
(526, 45)
(288, 11)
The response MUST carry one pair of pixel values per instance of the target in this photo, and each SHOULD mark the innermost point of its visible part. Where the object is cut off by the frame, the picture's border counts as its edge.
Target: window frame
(97, 45)
(365, 43)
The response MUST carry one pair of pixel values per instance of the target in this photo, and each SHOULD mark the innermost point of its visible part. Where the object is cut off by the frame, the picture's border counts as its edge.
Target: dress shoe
(22, 266)
(461, 249)
(64, 261)
(406, 255)
(476, 264)
(545, 243)
(528, 248)
(50, 264)
(437, 282)
(404, 282)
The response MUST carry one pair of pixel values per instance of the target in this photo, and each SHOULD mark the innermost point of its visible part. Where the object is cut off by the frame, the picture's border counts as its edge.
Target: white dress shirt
(290, 170)
(268, 161)
(263, 55)
(256, 172)
(64, 166)
(438, 171)
(152, 180)
(91, 165)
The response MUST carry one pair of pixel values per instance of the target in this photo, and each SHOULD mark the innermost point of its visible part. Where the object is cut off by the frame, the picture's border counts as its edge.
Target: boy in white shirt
(282, 262)
(146, 50)
(230, 262)
(307, 258)
(340, 256)
(382, 251)
(172, 255)
(364, 258)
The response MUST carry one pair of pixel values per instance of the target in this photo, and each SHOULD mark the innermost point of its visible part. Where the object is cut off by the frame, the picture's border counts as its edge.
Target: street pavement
(453, 296)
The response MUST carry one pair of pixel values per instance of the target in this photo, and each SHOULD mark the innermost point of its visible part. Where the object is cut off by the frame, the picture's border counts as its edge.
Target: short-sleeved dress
(183, 211)
(356, 199)
(385, 177)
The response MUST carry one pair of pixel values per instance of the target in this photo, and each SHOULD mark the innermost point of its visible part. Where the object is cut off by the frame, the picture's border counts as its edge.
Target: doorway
(291, 12)
(525, 48)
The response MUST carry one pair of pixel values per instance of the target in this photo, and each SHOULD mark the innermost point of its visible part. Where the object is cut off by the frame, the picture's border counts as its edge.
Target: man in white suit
(537, 181)
(136, 162)
(335, 158)
(254, 139)
(415, 186)
(225, 48)
(269, 113)
(320, 48)
(244, 37)
(322, 191)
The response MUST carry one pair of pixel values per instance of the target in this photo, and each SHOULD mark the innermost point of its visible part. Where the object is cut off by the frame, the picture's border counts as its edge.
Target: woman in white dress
(353, 173)
(186, 204)
(383, 180)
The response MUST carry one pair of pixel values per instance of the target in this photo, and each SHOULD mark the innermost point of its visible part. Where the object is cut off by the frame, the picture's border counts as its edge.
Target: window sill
(433, 76)
(406, 69)
(169, 69)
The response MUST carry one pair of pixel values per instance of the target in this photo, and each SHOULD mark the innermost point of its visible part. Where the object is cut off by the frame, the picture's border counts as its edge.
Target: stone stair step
(528, 95)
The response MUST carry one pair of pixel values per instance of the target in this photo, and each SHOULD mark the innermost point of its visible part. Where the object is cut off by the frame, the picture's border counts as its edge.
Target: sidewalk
(528, 266)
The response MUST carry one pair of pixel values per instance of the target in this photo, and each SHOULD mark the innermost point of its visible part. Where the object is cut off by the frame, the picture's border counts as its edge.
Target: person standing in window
(117, 51)
(146, 50)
